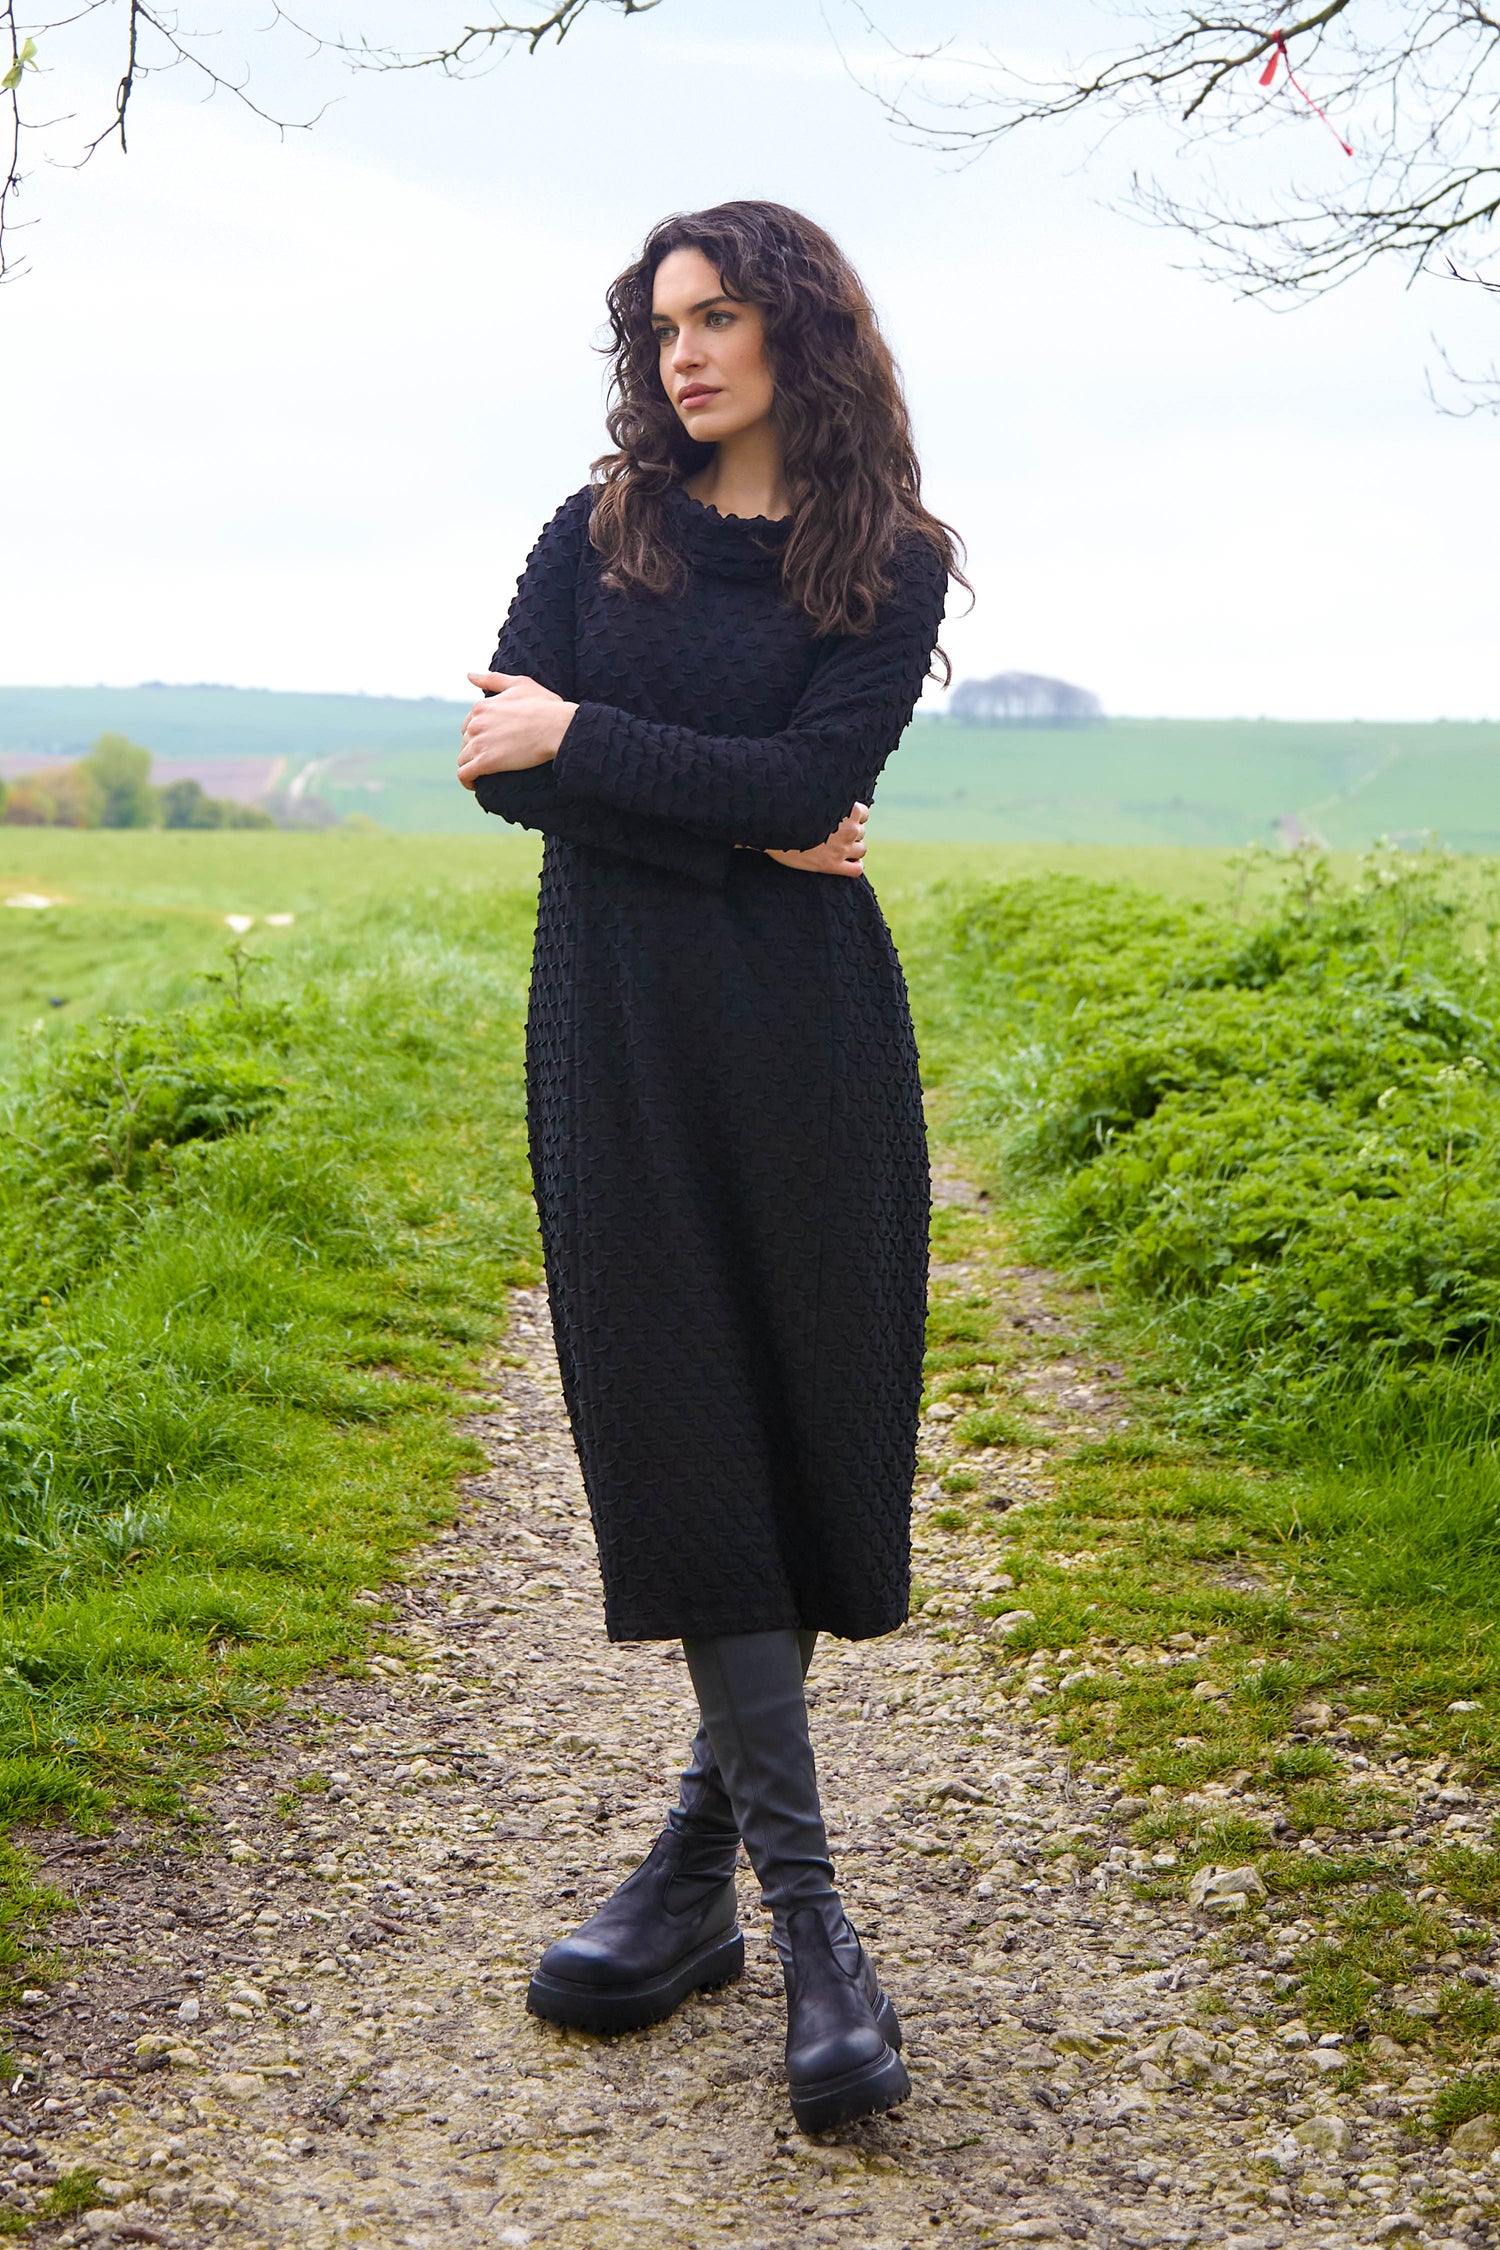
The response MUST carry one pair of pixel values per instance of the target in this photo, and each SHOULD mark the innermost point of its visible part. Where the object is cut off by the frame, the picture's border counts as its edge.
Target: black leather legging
(752, 1772)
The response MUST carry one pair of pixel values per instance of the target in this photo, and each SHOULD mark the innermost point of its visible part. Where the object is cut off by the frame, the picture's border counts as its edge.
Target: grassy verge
(1273, 1142)
(1160, 1613)
(1142, 1542)
(251, 1247)
(1266, 1604)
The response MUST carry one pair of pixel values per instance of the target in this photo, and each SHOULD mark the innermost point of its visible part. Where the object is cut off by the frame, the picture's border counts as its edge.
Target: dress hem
(839, 1627)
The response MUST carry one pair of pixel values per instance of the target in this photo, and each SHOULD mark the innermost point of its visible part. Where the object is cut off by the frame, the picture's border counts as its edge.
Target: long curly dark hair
(849, 463)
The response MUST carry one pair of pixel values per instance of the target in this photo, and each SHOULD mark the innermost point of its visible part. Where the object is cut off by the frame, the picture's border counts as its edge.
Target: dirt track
(333, 1986)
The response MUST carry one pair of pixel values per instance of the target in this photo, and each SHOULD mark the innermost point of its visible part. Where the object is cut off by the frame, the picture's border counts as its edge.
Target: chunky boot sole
(628, 2007)
(857, 2093)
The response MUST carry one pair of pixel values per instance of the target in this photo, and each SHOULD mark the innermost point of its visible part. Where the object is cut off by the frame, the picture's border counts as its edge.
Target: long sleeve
(537, 641)
(780, 792)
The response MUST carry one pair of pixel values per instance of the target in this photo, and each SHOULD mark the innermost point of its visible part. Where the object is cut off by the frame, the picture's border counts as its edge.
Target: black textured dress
(725, 1112)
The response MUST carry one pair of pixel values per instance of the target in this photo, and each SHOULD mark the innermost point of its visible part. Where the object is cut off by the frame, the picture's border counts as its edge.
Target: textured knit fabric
(724, 1107)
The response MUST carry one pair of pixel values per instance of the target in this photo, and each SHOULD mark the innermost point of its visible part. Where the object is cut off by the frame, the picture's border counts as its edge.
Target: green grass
(1477, 2094)
(277, 1231)
(1271, 1135)
(144, 911)
(1154, 1538)
(1136, 1553)
(1300, 1520)
(71, 2192)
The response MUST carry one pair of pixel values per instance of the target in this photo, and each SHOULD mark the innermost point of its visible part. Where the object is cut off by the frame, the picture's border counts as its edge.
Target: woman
(711, 654)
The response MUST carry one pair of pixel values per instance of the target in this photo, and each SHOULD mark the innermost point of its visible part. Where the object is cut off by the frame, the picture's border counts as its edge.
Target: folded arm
(786, 791)
(681, 796)
(537, 642)
(509, 761)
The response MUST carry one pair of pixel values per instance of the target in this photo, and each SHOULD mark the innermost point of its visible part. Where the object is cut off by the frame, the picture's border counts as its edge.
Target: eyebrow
(705, 304)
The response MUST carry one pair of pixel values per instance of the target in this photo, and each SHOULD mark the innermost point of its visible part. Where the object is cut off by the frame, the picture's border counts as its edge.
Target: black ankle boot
(842, 2032)
(669, 1930)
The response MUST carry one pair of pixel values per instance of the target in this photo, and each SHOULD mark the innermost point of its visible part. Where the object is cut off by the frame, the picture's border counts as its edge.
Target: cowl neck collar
(725, 546)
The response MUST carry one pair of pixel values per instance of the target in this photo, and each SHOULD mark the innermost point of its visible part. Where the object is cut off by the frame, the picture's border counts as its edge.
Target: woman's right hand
(842, 854)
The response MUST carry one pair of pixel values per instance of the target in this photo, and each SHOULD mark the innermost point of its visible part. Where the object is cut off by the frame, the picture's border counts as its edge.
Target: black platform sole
(858, 2093)
(629, 2007)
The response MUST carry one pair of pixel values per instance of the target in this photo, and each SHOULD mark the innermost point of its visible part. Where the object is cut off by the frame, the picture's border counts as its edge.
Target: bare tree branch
(177, 50)
(126, 86)
(155, 38)
(1476, 394)
(19, 56)
(1417, 86)
(476, 44)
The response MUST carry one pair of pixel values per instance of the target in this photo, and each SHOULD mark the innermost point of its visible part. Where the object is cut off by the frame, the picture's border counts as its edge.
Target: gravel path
(309, 2029)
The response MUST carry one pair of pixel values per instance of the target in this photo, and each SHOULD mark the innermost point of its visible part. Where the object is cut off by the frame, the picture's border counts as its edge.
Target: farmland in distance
(1127, 782)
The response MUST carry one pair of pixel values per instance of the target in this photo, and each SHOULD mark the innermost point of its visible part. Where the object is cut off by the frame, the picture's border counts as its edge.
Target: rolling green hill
(224, 722)
(1215, 782)
(1196, 781)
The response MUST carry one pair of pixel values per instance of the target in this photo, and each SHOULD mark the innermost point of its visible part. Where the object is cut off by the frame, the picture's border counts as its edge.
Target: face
(712, 347)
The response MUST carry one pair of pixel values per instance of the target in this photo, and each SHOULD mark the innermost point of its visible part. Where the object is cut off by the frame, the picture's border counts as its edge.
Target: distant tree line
(111, 788)
(1023, 699)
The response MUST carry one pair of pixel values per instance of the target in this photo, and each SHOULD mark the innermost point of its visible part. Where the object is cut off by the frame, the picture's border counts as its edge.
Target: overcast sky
(289, 413)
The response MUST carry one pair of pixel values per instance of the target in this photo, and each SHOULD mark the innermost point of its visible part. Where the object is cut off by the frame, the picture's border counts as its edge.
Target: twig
(477, 42)
(1426, 80)
(21, 58)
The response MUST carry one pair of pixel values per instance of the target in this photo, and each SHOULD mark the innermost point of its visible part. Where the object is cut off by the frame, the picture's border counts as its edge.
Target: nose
(687, 352)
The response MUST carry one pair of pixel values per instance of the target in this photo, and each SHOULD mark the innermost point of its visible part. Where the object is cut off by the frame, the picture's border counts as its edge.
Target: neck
(744, 477)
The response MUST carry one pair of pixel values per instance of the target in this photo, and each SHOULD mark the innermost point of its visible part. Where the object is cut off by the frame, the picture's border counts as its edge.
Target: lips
(696, 394)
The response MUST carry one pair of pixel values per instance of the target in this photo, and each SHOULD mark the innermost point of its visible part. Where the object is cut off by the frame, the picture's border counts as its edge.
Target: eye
(719, 319)
(665, 335)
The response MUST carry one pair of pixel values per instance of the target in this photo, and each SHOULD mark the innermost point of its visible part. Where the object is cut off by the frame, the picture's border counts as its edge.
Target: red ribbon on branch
(1268, 78)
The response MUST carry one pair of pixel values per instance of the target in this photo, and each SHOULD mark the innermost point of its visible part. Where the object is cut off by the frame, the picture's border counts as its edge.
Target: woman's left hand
(842, 854)
(521, 724)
